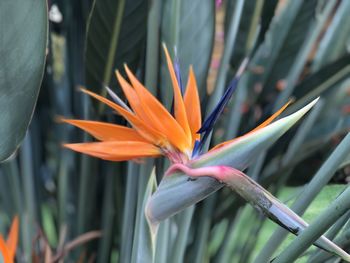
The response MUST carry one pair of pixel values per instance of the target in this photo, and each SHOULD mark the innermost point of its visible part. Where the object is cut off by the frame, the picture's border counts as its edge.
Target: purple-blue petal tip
(210, 121)
(178, 71)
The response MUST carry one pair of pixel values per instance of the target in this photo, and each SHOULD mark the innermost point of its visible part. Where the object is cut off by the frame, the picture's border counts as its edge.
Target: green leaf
(129, 212)
(188, 26)
(286, 34)
(314, 84)
(248, 27)
(23, 27)
(319, 180)
(288, 194)
(116, 34)
(176, 192)
(335, 41)
(318, 226)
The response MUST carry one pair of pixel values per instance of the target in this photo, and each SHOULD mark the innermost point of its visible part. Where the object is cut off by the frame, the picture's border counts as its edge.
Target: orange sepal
(262, 125)
(116, 151)
(106, 131)
(4, 251)
(144, 129)
(192, 106)
(179, 106)
(159, 116)
(12, 238)
(132, 97)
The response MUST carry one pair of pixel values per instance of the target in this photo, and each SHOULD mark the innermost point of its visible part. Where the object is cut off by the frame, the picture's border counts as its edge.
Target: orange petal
(12, 238)
(179, 106)
(160, 118)
(132, 97)
(106, 131)
(144, 129)
(4, 251)
(262, 125)
(192, 105)
(116, 151)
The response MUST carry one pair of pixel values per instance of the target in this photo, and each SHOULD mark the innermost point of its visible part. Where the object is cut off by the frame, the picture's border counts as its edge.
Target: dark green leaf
(23, 27)
(283, 40)
(115, 35)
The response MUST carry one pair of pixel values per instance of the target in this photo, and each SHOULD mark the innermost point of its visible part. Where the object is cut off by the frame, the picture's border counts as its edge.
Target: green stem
(162, 243)
(129, 213)
(181, 239)
(108, 213)
(201, 246)
(342, 240)
(30, 215)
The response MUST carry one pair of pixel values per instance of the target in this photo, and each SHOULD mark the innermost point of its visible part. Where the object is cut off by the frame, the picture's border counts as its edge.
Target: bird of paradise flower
(180, 137)
(8, 247)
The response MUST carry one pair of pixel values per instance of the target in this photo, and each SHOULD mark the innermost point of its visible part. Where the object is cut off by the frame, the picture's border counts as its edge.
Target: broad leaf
(115, 35)
(23, 41)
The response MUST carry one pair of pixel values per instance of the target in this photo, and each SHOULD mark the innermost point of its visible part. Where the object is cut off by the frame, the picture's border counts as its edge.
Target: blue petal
(196, 149)
(178, 77)
(178, 71)
(210, 121)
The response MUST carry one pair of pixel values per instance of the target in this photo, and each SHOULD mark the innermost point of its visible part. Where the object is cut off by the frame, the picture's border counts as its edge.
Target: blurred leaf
(335, 119)
(145, 234)
(323, 199)
(267, 14)
(188, 26)
(311, 85)
(335, 42)
(116, 34)
(129, 212)
(248, 27)
(283, 40)
(310, 191)
(176, 192)
(319, 225)
(22, 51)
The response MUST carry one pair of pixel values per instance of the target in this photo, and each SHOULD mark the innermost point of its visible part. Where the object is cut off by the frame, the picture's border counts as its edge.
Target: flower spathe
(154, 131)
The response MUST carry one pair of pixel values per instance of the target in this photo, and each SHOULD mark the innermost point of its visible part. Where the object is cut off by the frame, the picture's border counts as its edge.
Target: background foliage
(298, 49)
